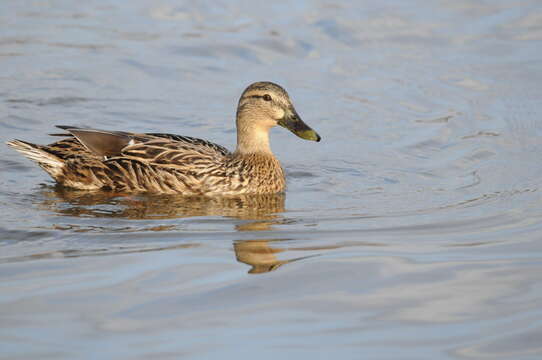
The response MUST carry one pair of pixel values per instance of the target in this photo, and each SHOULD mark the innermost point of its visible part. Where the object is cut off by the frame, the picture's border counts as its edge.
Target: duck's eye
(267, 97)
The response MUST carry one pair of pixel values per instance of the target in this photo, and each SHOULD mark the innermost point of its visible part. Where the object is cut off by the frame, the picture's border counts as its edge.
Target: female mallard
(90, 159)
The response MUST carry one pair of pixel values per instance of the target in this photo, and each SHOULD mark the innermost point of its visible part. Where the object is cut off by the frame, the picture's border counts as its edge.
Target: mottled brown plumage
(90, 159)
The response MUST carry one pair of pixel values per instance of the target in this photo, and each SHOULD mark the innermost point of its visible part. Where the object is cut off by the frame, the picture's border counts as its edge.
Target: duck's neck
(252, 137)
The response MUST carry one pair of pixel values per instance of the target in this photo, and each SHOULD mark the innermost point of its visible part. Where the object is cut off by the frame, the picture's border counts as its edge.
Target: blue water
(412, 231)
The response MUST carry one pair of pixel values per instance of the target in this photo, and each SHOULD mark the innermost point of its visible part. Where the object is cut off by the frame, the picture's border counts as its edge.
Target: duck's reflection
(260, 208)
(261, 213)
(260, 255)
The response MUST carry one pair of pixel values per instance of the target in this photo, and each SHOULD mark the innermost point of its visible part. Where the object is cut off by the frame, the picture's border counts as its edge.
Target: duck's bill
(294, 123)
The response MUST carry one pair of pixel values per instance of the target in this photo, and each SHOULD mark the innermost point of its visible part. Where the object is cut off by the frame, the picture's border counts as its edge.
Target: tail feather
(47, 161)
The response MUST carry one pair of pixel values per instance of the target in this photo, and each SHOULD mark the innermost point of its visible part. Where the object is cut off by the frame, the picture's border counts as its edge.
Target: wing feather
(154, 162)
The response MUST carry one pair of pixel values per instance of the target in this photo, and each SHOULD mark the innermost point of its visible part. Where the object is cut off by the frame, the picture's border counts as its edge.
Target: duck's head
(264, 105)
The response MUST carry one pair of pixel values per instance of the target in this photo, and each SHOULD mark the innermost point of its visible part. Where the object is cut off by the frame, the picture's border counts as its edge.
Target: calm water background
(412, 231)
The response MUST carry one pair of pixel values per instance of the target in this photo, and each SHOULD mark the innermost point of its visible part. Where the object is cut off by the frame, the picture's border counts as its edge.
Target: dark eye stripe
(266, 97)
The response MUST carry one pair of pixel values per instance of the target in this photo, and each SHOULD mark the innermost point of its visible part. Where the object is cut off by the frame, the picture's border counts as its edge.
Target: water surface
(412, 231)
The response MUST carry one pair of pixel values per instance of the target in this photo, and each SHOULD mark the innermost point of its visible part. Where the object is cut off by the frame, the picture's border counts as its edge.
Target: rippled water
(412, 231)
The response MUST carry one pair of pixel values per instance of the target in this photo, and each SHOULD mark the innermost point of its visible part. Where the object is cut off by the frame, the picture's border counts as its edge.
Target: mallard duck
(91, 159)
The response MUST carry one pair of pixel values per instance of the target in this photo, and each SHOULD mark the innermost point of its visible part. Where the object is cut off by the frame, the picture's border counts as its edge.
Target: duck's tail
(52, 164)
